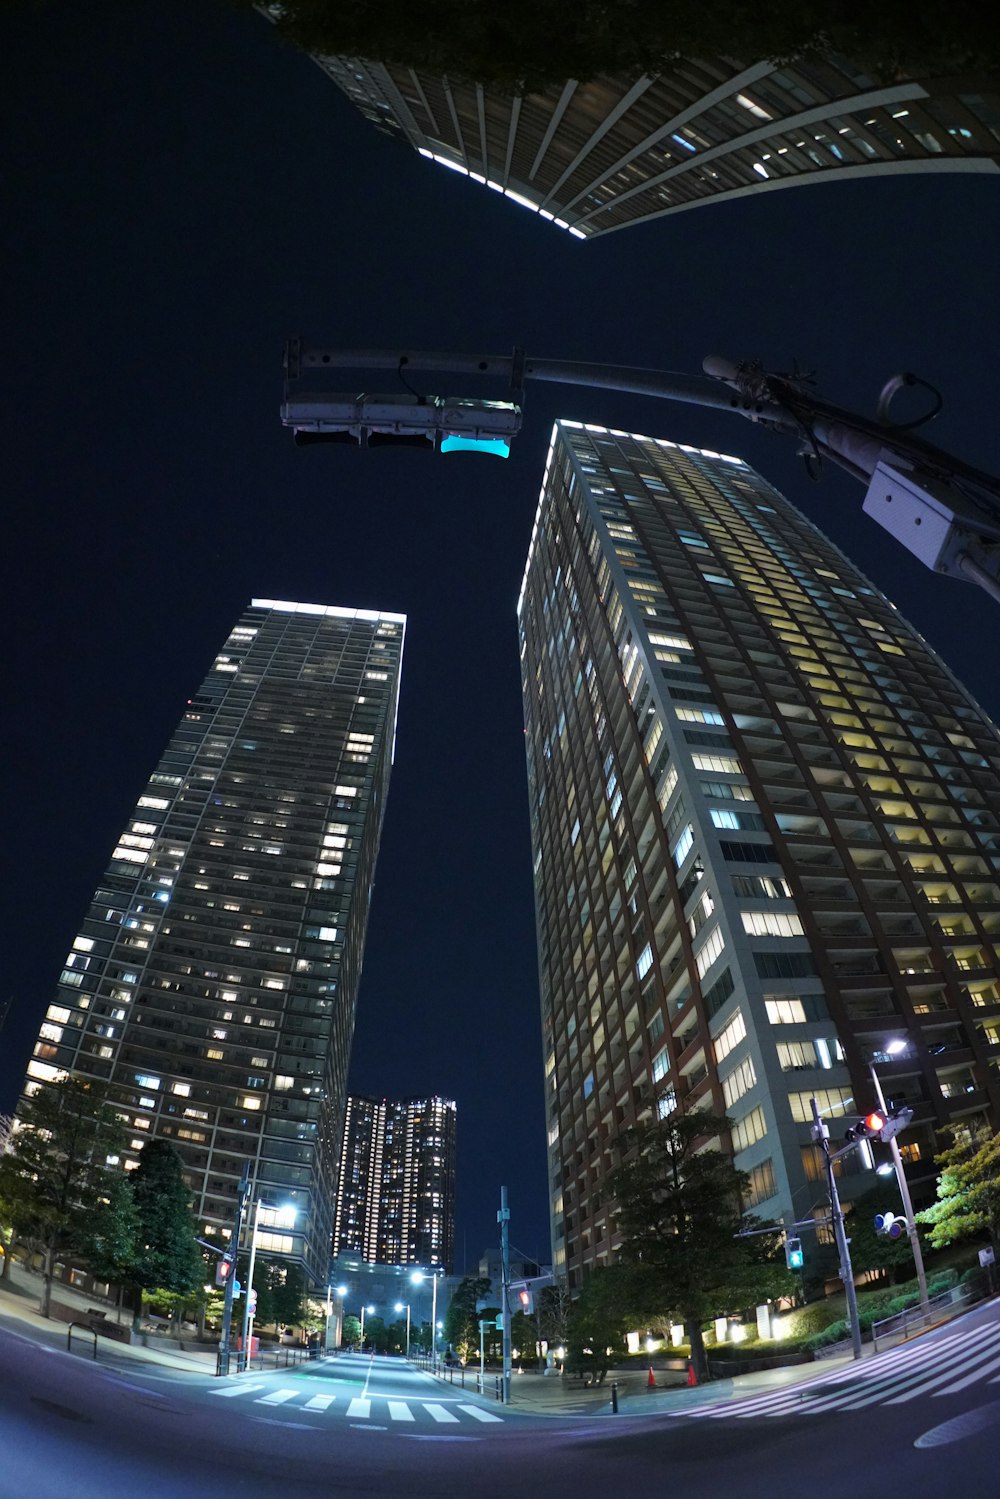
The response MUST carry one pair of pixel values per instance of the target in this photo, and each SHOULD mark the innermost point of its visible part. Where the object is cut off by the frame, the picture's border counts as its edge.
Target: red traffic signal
(222, 1272)
(875, 1122)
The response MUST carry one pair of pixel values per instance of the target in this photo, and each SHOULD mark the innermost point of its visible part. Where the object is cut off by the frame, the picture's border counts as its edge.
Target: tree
(968, 1193)
(554, 1303)
(287, 1284)
(461, 1320)
(112, 1237)
(6, 1232)
(166, 1254)
(598, 1319)
(55, 1169)
(350, 1331)
(680, 1211)
(525, 46)
(871, 1250)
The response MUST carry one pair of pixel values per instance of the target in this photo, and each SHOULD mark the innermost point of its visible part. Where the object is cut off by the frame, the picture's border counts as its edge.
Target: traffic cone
(692, 1376)
(651, 1380)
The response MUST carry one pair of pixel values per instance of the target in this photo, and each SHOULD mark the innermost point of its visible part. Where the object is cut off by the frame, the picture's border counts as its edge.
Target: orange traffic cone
(692, 1376)
(651, 1380)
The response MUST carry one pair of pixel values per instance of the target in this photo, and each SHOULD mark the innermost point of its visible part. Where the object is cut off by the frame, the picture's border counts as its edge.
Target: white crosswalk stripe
(478, 1414)
(440, 1412)
(361, 1407)
(937, 1368)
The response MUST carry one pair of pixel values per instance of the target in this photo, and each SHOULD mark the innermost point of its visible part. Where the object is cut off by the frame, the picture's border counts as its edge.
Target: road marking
(479, 1413)
(960, 1427)
(400, 1411)
(319, 1402)
(439, 1413)
(277, 1397)
(359, 1408)
(238, 1389)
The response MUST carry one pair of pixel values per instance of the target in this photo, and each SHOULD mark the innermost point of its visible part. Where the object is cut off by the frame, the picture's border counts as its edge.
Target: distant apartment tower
(214, 979)
(396, 1193)
(598, 156)
(765, 824)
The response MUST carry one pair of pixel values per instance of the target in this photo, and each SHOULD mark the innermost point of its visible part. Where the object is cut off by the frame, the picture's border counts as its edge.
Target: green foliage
(598, 1320)
(968, 1193)
(350, 1331)
(461, 1320)
(526, 46)
(55, 1169)
(112, 1235)
(166, 1255)
(680, 1210)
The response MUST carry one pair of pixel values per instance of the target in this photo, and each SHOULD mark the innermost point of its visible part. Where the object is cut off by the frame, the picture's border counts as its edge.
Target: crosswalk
(935, 1367)
(358, 1407)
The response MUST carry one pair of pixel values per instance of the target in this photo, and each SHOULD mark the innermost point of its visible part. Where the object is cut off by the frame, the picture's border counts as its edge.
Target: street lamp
(364, 1309)
(341, 1292)
(418, 1277)
(405, 1306)
(283, 1217)
(896, 1048)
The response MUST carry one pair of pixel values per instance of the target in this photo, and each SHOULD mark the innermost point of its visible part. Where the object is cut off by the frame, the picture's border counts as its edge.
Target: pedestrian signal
(222, 1272)
(794, 1258)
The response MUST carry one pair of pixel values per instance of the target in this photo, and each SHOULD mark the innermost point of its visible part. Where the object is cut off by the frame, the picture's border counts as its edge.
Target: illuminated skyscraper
(214, 979)
(396, 1194)
(598, 156)
(766, 833)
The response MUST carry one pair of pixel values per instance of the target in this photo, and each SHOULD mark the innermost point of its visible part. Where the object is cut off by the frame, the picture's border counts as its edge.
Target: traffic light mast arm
(943, 510)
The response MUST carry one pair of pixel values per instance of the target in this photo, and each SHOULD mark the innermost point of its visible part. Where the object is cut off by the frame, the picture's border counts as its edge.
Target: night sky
(181, 193)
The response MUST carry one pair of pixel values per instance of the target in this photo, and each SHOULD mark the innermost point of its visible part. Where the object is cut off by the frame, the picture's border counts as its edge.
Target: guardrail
(917, 1319)
(84, 1327)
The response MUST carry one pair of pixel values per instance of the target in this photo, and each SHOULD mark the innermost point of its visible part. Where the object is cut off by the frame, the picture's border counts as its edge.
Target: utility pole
(503, 1218)
(242, 1198)
(821, 1135)
(904, 1192)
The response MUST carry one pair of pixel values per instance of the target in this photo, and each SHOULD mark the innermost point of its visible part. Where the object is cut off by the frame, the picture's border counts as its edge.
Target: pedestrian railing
(916, 1319)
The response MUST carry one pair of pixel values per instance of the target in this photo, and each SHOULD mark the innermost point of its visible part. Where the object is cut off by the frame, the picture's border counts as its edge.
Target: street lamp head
(418, 1277)
(896, 1046)
(886, 1169)
(341, 1291)
(369, 1310)
(400, 1307)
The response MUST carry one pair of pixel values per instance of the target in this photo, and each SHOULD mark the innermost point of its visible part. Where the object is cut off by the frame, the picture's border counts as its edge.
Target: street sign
(986, 1256)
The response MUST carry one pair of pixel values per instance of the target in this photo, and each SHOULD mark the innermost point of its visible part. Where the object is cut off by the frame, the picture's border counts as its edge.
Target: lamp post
(418, 1277)
(405, 1306)
(341, 1292)
(282, 1217)
(364, 1309)
(897, 1048)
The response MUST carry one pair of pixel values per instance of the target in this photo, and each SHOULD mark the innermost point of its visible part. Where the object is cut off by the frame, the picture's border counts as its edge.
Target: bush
(808, 1320)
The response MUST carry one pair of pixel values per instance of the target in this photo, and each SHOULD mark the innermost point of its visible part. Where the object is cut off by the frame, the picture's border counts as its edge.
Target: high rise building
(766, 833)
(598, 156)
(213, 981)
(396, 1192)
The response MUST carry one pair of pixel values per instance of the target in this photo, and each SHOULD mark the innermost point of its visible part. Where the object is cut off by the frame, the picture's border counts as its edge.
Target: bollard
(614, 1397)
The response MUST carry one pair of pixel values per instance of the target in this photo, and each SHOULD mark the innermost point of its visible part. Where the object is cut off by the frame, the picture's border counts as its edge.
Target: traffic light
(525, 1300)
(891, 1225)
(445, 424)
(868, 1128)
(880, 1126)
(794, 1258)
(223, 1270)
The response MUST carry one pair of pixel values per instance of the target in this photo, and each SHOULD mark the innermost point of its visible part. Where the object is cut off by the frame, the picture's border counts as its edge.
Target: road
(915, 1420)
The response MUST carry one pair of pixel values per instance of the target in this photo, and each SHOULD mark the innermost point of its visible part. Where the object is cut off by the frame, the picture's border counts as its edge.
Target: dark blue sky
(181, 194)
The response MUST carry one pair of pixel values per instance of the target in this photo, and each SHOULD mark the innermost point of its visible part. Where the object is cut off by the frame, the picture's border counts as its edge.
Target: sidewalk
(19, 1298)
(534, 1394)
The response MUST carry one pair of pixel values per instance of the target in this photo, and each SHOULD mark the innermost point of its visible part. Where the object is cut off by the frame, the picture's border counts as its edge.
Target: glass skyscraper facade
(598, 156)
(396, 1191)
(214, 979)
(766, 834)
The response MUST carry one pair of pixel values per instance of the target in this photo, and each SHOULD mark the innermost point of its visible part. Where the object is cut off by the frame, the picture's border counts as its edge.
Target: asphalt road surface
(916, 1421)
